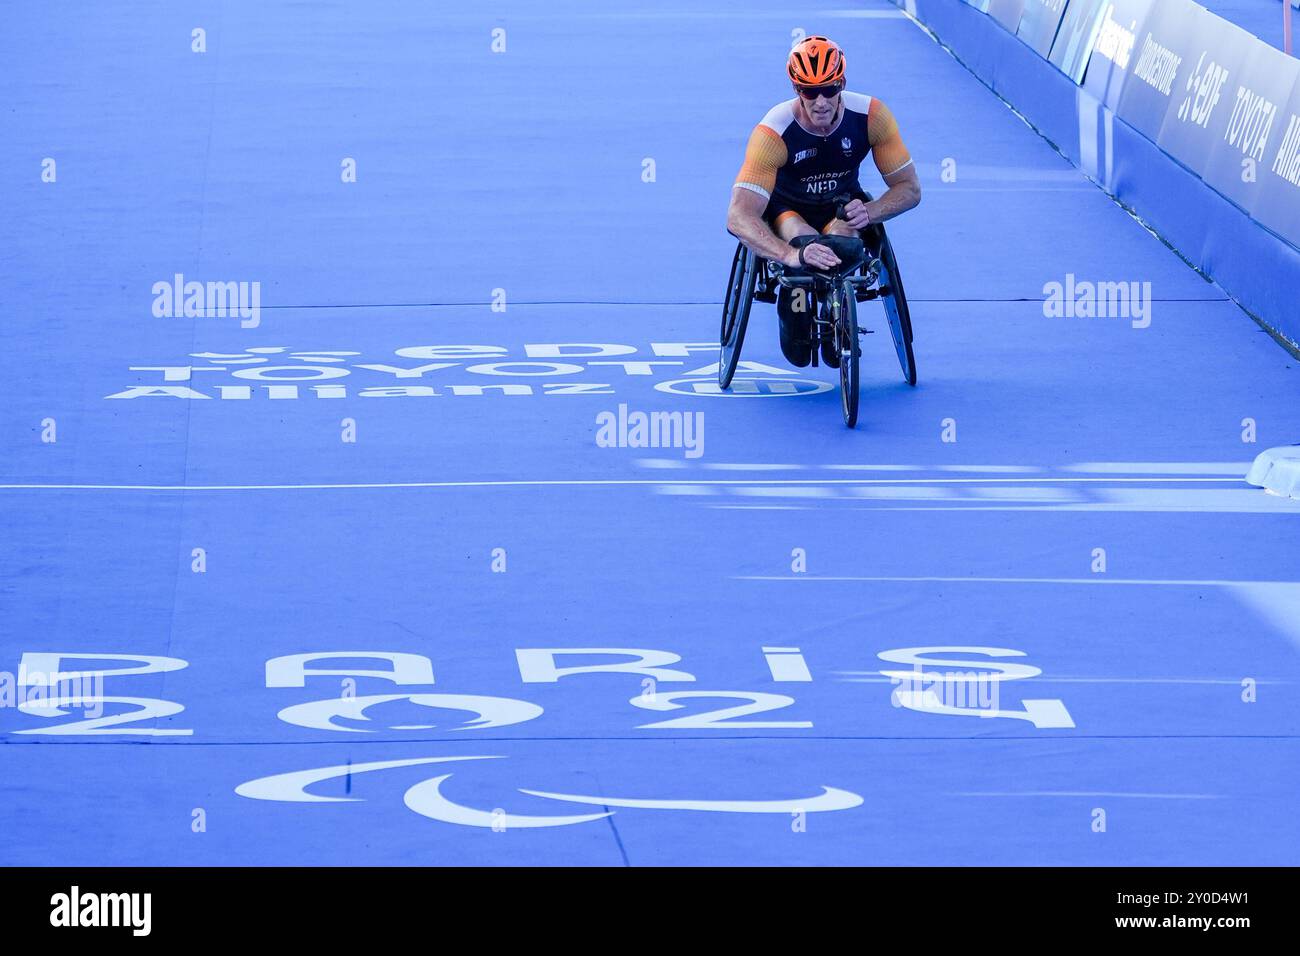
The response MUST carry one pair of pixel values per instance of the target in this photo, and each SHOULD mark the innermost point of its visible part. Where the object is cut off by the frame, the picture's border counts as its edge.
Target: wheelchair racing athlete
(802, 159)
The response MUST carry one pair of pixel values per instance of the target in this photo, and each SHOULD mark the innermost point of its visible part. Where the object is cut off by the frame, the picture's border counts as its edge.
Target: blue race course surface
(1263, 18)
(385, 464)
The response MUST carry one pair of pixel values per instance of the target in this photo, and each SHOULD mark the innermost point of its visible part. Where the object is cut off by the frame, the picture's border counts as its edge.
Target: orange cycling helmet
(815, 61)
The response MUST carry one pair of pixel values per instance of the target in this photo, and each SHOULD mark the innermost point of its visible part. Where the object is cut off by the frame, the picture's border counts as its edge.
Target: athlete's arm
(895, 165)
(765, 154)
(745, 222)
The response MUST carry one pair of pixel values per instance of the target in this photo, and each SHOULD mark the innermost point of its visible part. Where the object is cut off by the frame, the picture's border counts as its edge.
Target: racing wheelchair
(867, 270)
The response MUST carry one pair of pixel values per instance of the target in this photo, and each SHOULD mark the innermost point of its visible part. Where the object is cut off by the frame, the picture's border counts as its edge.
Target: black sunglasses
(829, 91)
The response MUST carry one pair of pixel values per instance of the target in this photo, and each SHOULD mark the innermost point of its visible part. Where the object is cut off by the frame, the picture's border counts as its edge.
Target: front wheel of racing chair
(835, 328)
(889, 290)
(845, 330)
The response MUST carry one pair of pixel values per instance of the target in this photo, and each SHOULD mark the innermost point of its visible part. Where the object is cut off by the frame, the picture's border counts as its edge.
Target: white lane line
(750, 466)
(661, 463)
(580, 482)
(796, 491)
(1022, 493)
(1041, 679)
(1153, 680)
(1161, 467)
(875, 467)
(1131, 468)
(936, 579)
(1090, 793)
(909, 493)
(1003, 469)
(1019, 497)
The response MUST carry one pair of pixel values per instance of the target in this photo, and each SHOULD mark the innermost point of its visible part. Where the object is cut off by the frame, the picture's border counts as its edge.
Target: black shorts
(819, 216)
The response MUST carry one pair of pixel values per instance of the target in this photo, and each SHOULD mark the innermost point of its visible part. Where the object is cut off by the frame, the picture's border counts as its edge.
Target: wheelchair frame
(834, 311)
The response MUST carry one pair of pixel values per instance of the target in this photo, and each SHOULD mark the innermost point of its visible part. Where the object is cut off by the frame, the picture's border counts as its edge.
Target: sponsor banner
(1115, 50)
(1038, 24)
(1142, 58)
(1159, 67)
(1075, 39)
(1203, 97)
(1007, 12)
(1276, 203)
(1256, 104)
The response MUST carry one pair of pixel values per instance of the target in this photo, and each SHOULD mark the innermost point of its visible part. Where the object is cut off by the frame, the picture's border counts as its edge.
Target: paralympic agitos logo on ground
(393, 695)
(430, 371)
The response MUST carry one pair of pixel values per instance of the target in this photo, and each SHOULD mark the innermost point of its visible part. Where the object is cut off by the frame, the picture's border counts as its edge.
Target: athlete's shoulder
(779, 118)
(856, 102)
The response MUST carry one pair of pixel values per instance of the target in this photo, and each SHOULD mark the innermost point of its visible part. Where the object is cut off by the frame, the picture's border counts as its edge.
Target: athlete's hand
(816, 255)
(855, 214)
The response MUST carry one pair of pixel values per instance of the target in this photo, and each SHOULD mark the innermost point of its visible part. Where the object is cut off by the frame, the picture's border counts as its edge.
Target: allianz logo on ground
(207, 300)
(1075, 299)
(624, 429)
